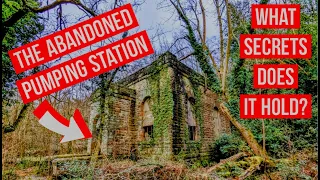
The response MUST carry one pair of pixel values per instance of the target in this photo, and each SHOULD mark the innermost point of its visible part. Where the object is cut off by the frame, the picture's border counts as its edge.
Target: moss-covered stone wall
(170, 86)
(118, 137)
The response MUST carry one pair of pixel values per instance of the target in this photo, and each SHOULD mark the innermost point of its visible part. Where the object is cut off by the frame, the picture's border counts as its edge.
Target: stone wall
(173, 101)
(154, 83)
(190, 90)
(119, 131)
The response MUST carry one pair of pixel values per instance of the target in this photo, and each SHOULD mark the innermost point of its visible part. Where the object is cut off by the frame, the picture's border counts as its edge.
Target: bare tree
(201, 52)
(27, 8)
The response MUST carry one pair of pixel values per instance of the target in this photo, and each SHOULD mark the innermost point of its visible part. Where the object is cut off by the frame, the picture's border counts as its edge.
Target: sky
(152, 15)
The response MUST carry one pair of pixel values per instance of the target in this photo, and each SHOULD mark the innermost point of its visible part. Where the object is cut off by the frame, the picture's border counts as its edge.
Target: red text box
(73, 38)
(84, 67)
(273, 16)
(261, 46)
(275, 106)
(275, 76)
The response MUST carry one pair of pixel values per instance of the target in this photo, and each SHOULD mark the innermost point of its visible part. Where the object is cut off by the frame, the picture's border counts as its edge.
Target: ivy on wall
(162, 110)
(163, 85)
(193, 148)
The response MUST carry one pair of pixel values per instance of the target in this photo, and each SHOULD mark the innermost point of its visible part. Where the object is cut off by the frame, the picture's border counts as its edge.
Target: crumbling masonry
(163, 110)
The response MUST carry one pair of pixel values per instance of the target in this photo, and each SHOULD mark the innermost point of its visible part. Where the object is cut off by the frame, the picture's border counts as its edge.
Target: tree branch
(229, 159)
(226, 60)
(19, 14)
(185, 57)
(57, 3)
(11, 21)
(203, 22)
(246, 134)
(216, 2)
(90, 11)
(22, 114)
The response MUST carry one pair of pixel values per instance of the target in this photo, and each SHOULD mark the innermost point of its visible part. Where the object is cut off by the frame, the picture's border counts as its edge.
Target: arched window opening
(217, 121)
(191, 120)
(147, 121)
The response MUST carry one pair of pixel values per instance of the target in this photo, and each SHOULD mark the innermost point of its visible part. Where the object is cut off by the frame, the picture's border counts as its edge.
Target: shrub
(225, 146)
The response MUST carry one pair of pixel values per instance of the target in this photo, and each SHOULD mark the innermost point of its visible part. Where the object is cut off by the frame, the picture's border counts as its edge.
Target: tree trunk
(22, 114)
(229, 159)
(199, 51)
(217, 4)
(246, 134)
(213, 78)
(226, 60)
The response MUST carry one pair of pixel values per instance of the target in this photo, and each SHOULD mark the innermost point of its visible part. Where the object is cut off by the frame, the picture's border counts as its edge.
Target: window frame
(192, 133)
(148, 130)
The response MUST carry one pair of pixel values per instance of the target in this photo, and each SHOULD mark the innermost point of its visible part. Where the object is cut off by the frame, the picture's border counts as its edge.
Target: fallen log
(246, 134)
(48, 158)
(255, 166)
(229, 159)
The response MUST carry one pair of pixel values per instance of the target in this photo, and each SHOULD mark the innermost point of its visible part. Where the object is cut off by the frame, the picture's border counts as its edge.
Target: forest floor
(301, 165)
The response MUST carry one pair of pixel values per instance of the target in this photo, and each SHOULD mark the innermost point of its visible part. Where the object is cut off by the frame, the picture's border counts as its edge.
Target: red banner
(272, 16)
(275, 106)
(275, 46)
(85, 67)
(73, 38)
(275, 76)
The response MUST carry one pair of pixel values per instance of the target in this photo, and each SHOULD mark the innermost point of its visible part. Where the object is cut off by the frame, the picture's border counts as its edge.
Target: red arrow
(71, 130)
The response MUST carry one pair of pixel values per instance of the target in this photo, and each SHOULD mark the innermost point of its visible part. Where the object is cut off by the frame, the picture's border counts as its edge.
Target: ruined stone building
(163, 110)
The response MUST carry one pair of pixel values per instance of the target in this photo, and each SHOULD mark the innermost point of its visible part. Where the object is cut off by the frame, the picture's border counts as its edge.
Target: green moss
(193, 147)
(198, 107)
(162, 108)
(9, 174)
